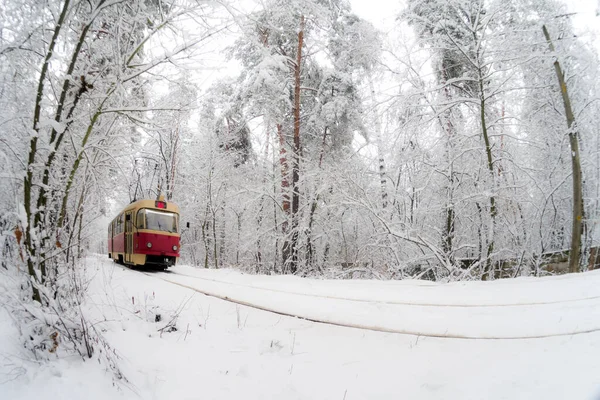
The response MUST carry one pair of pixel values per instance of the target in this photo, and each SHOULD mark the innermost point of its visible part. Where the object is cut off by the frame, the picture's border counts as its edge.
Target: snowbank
(173, 342)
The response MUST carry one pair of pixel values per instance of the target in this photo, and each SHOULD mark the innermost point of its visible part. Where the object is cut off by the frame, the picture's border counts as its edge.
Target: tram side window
(140, 219)
(119, 224)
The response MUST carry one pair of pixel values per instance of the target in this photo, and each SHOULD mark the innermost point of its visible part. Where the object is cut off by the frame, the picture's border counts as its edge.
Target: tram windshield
(157, 220)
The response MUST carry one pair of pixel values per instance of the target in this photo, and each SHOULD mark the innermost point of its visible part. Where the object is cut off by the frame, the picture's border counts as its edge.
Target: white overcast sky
(383, 12)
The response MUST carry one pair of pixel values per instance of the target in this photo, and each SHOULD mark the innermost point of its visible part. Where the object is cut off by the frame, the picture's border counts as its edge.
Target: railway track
(407, 303)
(378, 327)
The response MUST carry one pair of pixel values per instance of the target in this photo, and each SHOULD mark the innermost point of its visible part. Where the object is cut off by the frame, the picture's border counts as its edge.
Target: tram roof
(150, 203)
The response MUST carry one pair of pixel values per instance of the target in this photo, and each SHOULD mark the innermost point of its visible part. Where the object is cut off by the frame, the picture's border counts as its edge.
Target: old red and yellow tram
(145, 233)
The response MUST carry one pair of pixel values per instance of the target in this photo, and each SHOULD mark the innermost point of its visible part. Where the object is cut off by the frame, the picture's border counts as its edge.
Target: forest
(298, 138)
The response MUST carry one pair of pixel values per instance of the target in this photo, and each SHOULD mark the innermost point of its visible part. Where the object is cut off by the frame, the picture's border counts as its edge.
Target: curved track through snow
(406, 303)
(377, 326)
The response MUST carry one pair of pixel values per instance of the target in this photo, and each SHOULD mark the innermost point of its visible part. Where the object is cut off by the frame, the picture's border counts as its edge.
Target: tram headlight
(174, 248)
(149, 245)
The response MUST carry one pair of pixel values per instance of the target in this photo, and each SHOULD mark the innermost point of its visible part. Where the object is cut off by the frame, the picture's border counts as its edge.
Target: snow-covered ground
(225, 350)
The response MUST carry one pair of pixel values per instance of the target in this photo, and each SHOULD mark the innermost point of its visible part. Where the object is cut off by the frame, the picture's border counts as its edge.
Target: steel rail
(374, 328)
(407, 303)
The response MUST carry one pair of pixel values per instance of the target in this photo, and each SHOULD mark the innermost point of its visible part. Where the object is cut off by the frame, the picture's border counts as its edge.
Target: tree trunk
(171, 177)
(285, 184)
(490, 162)
(489, 264)
(313, 207)
(74, 168)
(577, 227)
(56, 138)
(378, 133)
(296, 153)
(449, 228)
(30, 248)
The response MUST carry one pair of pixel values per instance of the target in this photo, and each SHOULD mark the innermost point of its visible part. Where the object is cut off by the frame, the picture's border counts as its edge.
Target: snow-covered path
(222, 350)
(517, 309)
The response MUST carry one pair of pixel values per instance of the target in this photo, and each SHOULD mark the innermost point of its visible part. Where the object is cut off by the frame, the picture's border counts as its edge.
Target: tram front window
(157, 220)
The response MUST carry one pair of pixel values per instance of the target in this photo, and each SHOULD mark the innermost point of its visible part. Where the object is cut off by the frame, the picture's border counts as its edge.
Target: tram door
(128, 236)
(111, 235)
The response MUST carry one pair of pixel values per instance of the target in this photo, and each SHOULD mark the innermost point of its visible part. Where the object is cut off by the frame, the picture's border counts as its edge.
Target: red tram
(145, 233)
